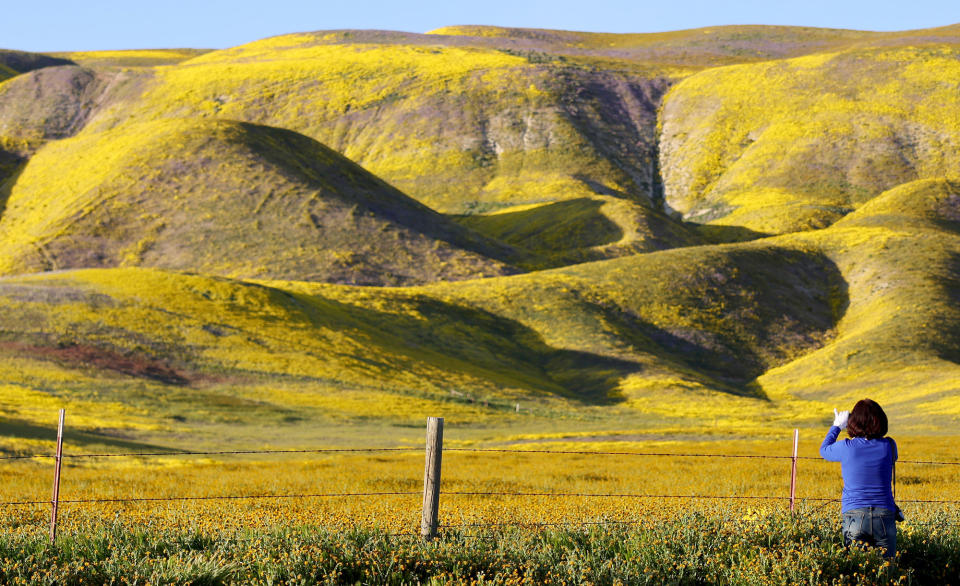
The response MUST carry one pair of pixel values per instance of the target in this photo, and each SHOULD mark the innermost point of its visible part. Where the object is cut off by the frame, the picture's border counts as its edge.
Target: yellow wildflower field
(521, 484)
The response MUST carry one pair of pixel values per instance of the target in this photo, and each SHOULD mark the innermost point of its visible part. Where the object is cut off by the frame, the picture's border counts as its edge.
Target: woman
(866, 463)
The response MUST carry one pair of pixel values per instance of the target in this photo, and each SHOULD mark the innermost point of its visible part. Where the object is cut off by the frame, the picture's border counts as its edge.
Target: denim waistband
(872, 511)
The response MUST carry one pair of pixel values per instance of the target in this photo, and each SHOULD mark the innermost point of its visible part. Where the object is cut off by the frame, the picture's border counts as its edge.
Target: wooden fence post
(431, 478)
(793, 471)
(56, 482)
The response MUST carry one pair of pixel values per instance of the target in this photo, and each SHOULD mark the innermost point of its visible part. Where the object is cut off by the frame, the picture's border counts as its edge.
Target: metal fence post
(431, 478)
(56, 482)
(793, 471)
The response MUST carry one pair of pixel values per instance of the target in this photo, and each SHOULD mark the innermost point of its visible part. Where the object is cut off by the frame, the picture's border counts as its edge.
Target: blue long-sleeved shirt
(866, 466)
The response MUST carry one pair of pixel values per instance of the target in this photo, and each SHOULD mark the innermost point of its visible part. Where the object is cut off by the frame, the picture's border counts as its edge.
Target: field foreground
(694, 548)
(606, 514)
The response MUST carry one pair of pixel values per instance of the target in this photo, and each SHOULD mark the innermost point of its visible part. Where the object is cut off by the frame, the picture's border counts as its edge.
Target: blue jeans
(874, 526)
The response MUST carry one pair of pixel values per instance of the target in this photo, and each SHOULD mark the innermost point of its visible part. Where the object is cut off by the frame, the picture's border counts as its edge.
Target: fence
(432, 475)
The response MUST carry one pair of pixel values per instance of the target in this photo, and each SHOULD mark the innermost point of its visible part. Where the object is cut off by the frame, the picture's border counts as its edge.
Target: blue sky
(61, 25)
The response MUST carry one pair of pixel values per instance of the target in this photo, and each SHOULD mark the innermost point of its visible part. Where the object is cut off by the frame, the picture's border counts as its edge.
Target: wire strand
(538, 524)
(601, 453)
(475, 450)
(212, 498)
(618, 495)
(213, 453)
(938, 463)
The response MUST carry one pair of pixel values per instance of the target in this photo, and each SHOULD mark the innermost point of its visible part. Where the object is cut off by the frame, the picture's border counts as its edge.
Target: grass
(778, 551)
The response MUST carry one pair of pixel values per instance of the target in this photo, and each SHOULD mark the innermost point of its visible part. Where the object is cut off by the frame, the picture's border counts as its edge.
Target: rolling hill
(696, 48)
(227, 198)
(789, 145)
(52, 103)
(504, 130)
(774, 331)
(730, 230)
(130, 58)
(16, 62)
(900, 337)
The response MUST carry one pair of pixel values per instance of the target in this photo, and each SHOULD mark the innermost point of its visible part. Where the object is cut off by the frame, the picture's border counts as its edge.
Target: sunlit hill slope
(815, 138)
(526, 231)
(276, 204)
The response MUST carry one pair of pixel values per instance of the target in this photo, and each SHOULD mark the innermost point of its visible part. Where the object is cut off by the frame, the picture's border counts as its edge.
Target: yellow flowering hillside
(504, 129)
(130, 58)
(226, 198)
(797, 144)
(540, 235)
(772, 332)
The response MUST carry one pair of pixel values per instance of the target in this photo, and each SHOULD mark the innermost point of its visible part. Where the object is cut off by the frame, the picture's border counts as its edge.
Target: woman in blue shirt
(866, 463)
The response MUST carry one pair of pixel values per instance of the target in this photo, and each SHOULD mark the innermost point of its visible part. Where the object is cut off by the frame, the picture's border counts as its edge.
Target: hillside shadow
(459, 338)
(785, 309)
(785, 302)
(452, 338)
(948, 212)
(25, 430)
(553, 228)
(715, 234)
(319, 168)
(948, 347)
(600, 188)
(24, 62)
(11, 166)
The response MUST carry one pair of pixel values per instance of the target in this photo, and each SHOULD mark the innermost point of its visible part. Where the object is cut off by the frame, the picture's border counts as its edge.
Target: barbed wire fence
(432, 490)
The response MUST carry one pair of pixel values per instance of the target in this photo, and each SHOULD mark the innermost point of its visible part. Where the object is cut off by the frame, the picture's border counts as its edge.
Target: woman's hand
(840, 419)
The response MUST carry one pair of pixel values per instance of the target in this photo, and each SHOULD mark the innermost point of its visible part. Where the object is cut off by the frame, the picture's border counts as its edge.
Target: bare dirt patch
(131, 364)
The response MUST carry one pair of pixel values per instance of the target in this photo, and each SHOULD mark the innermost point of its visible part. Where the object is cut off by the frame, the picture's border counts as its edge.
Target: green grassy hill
(231, 199)
(796, 144)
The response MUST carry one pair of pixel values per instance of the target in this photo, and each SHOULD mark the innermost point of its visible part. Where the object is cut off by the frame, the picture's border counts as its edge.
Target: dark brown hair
(867, 420)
